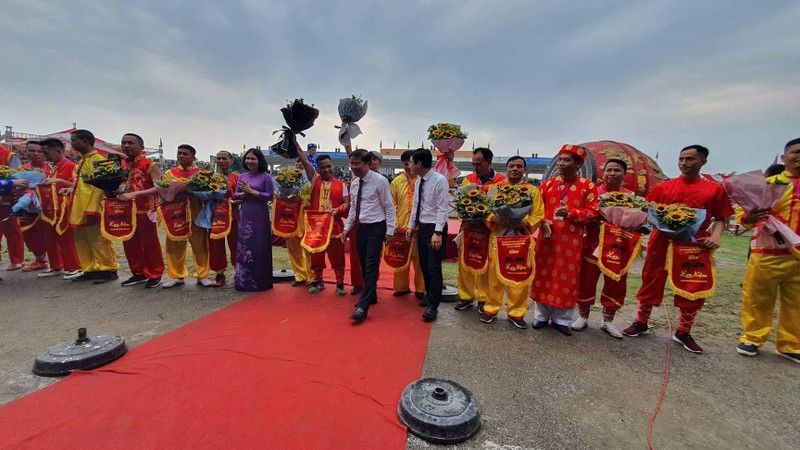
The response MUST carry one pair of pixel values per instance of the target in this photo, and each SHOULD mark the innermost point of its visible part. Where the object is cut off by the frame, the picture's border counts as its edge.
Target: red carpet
(276, 370)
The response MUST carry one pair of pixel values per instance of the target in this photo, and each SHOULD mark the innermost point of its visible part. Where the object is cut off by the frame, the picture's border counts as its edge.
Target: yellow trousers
(301, 261)
(94, 251)
(517, 296)
(402, 279)
(471, 286)
(176, 253)
(766, 276)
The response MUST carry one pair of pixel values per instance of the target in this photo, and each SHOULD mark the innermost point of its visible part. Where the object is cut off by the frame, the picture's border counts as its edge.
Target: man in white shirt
(372, 209)
(429, 212)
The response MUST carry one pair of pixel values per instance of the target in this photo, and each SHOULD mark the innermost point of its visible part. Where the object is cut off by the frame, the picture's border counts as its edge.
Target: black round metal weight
(282, 275)
(449, 294)
(439, 411)
(85, 353)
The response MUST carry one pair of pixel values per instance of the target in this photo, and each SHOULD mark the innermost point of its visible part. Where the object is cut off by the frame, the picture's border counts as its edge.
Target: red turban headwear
(575, 150)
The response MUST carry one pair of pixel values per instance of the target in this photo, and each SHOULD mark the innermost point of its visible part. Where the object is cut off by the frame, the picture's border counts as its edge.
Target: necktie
(419, 200)
(358, 200)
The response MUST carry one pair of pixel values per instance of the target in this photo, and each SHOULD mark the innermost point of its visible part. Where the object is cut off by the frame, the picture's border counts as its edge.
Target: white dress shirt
(435, 193)
(377, 202)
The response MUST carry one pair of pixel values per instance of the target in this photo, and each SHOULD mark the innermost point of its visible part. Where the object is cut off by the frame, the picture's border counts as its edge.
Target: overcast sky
(524, 74)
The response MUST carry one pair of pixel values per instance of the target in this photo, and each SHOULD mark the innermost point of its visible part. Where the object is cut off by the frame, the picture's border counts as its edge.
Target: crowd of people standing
(369, 211)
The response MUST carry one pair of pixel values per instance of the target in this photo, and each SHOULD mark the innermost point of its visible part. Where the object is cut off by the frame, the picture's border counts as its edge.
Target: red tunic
(336, 197)
(44, 167)
(139, 180)
(472, 178)
(558, 258)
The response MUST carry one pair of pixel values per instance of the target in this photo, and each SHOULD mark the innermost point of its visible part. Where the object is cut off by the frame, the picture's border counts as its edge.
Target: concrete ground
(536, 389)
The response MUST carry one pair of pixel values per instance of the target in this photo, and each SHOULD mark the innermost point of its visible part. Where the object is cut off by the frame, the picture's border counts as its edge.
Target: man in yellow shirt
(96, 254)
(517, 302)
(774, 270)
(402, 190)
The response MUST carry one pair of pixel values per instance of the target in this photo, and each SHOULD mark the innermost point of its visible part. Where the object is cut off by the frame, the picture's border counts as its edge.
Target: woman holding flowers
(254, 243)
(693, 191)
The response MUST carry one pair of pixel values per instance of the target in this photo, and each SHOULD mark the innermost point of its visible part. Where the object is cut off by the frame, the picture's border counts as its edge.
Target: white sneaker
(172, 283)
(205, 282)
(580, 324)
(72, 274)
(611, 329)
(50, 273)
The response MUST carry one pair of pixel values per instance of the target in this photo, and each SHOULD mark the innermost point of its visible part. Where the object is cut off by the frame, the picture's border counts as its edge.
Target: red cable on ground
(663, 386)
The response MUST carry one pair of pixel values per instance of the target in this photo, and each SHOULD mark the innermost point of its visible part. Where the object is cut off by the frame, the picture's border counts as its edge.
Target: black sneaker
(87, 276)
(135, 279)
(480, 307)
(519, 323)
(487, 318)
(746, 349)
(794, 357)
(153, 283)
(106, 276)
(463, 304)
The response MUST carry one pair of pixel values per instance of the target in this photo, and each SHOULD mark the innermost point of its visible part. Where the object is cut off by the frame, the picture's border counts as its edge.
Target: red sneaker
(219, 281)
(636, 329)
(688, 342)
(36, 265)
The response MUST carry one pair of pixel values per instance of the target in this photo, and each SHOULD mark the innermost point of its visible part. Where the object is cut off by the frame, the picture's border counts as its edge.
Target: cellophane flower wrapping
(29, 202)
(288, 183)
(512, 204)
(168, 190)
(622, 209)
(751, 192)
(682, 226)
(298, 117)
(209, 199)
(351, 110)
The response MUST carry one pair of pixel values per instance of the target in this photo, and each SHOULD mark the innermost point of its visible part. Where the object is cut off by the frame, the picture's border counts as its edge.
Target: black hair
(617, 161)
(517, 158)
(364, 155)
(262, 161)
(487, 154)
(323, 158)
(230, 155)
(32, 142)
(138, 138)
(406, 156)
(774, 169)
(52, 143)
(423, 157)
(86, 135)
(791, 143)
(190, 148)
(699, 148)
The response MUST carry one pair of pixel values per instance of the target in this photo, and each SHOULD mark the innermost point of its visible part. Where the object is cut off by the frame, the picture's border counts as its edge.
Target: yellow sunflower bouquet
(211, 188)
(471, 204)
(511, 203)
(623, 209)
(6, 172)
(106, 175)
(677, 219)
(289, 182)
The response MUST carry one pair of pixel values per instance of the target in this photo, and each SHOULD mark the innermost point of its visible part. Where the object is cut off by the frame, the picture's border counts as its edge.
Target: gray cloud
(529, 75)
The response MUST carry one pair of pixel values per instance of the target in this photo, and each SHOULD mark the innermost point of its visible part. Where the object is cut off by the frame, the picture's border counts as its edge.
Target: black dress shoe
(430, 314)
(463, 304)
(423, 301)
(107, 275)
(356, 290)
(401, 293)
(563, 329)
(420, 295)
(359, 315)
(296, 283)
(537, 324)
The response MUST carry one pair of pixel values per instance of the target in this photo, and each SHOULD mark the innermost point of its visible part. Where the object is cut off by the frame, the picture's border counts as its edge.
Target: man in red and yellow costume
(218, 259)
(402, 189)
(63, 177)
(774, 270)
(40, 237)
(143, 250)
(613, 295)
(327, 194)
(9, 226)
(694, 191)
(473, 287)
(517, 303)
(176, 250)
(570, 203)
(98, 260)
